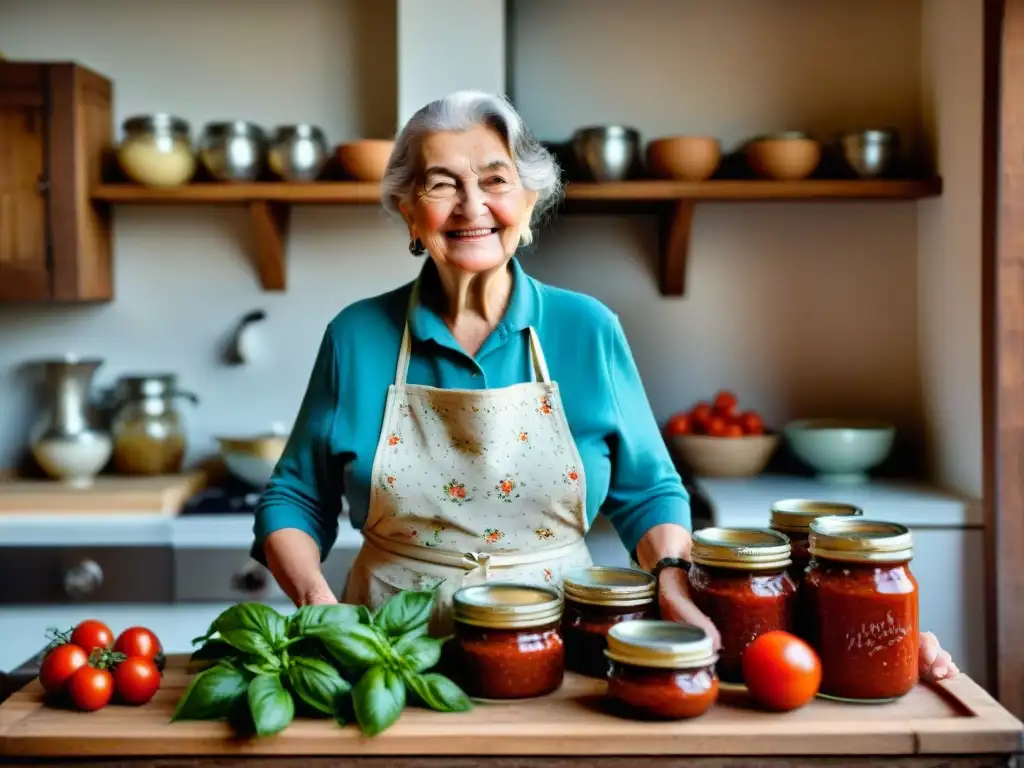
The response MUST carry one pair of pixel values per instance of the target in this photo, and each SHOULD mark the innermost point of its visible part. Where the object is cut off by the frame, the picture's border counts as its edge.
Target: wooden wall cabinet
(55, 130)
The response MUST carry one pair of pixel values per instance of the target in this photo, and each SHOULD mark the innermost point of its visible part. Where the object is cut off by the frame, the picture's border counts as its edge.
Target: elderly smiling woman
(481, 418)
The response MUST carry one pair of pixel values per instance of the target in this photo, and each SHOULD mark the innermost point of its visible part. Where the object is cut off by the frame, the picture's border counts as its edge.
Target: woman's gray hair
(462, 111)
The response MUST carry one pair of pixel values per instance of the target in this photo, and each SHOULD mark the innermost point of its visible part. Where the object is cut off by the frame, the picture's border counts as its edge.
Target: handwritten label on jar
(876, 636)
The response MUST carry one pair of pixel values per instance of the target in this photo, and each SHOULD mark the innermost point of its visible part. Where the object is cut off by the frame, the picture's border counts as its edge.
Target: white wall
(803, 309)
(949, 265)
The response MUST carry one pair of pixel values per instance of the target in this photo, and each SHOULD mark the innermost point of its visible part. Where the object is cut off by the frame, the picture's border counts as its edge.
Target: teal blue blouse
(630, 476)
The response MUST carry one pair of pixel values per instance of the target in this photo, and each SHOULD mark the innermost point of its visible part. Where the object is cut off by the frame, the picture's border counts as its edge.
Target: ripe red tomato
(724, 403)
(678, 424)
(751, 423)
(91, 634)
(733, 430)
(91, 688)
(781, 671)
(59, 665)
(136, 679)
(700, 414)
(717, 426)
(138, 641)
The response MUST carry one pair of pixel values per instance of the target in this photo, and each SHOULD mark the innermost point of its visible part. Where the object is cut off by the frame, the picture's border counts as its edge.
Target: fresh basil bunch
(341, 661)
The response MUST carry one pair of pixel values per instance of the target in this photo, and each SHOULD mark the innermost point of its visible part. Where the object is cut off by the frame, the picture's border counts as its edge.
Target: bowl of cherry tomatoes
(716, 438)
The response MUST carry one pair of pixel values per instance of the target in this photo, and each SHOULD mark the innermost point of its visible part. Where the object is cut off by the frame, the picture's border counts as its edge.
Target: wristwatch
(669, 562)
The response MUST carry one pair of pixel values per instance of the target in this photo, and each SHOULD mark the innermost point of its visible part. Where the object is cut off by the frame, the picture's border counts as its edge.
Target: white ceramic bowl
(841, 450)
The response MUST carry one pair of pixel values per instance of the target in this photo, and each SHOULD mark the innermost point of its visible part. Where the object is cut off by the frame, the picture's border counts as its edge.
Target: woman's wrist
(667, 540)
(294, 560)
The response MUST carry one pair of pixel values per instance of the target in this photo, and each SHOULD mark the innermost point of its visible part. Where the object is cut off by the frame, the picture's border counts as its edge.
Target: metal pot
(233, 151)
(252, 459)
(298, 152)
(607, 153)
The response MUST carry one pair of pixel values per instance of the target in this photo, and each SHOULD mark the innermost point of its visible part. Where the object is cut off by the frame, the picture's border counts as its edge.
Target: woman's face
(471, 208)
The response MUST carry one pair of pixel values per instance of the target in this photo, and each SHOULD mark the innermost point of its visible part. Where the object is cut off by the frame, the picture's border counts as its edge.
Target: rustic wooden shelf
(672, 201)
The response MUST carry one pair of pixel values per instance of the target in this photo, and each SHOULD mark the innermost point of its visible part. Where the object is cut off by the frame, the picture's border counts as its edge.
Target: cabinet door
(25, 272)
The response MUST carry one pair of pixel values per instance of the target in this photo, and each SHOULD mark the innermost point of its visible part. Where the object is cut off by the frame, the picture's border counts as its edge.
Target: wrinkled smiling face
(470, 209)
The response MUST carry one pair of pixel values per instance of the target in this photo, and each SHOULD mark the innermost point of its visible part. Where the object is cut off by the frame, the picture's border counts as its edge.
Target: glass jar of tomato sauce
(507, 641)
(738, 578)
(661, 669)
(862, 604)
(596, 599)
(793, 517)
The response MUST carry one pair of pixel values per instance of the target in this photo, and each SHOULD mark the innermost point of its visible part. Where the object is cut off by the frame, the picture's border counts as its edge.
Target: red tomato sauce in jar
(596, 599)
(793, 517)
(507, 641)
(661, 670)
(862, 609)
(739, 579)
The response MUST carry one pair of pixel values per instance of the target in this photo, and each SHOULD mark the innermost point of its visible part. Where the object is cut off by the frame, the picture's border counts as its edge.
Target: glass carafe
(149, 432)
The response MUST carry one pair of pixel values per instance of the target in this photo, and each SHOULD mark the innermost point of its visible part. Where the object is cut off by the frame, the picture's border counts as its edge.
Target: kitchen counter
(955, 724)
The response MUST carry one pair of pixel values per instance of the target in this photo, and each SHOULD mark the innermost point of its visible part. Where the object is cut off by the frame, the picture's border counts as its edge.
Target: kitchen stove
(229, 498)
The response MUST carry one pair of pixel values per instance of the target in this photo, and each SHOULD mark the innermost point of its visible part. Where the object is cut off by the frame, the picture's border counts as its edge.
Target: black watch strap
(669, 562)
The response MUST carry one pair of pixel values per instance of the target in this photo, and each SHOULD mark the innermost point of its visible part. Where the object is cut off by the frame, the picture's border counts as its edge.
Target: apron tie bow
(481, 561)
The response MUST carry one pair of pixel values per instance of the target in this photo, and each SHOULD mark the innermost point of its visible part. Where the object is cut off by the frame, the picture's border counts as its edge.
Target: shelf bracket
(676, 223)
(270, 233)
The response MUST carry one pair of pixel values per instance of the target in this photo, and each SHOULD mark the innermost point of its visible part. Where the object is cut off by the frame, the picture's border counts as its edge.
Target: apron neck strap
(539, 366)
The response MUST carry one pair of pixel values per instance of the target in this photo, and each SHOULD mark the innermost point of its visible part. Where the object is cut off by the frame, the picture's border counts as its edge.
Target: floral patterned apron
(470, 486)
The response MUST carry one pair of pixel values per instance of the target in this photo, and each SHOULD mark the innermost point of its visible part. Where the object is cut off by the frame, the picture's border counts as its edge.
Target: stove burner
(230, 498)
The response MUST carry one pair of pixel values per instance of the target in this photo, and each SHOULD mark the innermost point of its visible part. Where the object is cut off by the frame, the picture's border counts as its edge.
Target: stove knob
(83, 579)
(250, 581)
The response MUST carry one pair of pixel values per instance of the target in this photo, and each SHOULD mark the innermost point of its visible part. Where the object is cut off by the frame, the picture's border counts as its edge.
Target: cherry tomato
(91, 634)
(751, 423)
(678, 424)
(781, 671)
(717, 426)
(733, 430)
(136, 679)
(700, 414)
(138, 641)
(724, 403)
(59, 665)
(91, 688)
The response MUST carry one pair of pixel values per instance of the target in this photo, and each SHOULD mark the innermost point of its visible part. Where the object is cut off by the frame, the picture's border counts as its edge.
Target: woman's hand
(675, 604)
(935, 663)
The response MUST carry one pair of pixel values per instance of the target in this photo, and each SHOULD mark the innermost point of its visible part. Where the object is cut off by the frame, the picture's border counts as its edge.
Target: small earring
(416, 247)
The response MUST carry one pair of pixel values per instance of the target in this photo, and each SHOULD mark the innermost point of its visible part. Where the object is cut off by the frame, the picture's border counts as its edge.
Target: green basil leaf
(251, 642)
(419, 653)
(378, 700)
(355, 646)
(317, 683)
(309, 616)
(437, 692)
(405, 611)
(255, 617)
(212, 693)
(212, 650)
(271, 705)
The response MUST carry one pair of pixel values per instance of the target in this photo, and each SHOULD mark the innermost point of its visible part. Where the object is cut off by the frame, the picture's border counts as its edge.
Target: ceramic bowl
(686, 158)
(726, 456)
(841, 450)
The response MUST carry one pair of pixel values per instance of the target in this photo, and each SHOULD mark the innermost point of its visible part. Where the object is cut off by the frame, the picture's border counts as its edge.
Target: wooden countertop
(956, 718)
(162, 495)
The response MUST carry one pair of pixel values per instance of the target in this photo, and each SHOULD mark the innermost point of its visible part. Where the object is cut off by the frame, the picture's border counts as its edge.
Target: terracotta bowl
(686, 158)
(726, 456)
(365, 160)
(787, 157)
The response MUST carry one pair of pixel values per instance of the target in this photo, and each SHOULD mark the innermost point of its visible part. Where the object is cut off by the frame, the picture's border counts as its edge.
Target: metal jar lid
(856, 540)
(745, 549)
(661, 644)
(613, 587)
(502, 605)
(795, 515)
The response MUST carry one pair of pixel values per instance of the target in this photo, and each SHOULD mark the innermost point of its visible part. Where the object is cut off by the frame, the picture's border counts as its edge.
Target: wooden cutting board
(161, 495)
(956, 718)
